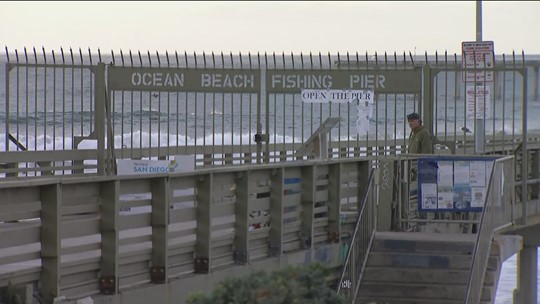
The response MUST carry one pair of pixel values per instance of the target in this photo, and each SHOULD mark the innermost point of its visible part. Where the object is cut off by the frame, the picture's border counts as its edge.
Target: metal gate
(237, 109)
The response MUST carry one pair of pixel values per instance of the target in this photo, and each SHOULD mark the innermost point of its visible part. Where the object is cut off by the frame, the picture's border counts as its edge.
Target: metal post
(480, 131)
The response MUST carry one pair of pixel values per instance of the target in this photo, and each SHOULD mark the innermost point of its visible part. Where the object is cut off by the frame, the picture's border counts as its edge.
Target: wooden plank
(135, 221)
(182, 215)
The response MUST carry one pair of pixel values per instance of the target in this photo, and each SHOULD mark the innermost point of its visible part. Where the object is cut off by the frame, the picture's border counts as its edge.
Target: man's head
(414, 121)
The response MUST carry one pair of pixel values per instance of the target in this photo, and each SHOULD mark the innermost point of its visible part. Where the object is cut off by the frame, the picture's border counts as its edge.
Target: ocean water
(50, 112)
(507, 282)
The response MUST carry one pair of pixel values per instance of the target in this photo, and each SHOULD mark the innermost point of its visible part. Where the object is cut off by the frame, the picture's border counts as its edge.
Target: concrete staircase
(423, 268)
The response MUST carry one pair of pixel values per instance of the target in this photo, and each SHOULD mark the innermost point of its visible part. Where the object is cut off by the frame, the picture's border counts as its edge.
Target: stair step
(418, 260)
(443, 276)
(432, 246)
(385, 300)
(413, 290)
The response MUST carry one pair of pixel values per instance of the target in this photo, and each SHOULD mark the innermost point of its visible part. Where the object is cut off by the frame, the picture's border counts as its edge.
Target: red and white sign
(477, 55)
(478, 101)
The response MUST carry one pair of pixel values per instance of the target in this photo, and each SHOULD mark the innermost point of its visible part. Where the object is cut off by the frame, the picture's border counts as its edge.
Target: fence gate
(49, 106)
(201, 105)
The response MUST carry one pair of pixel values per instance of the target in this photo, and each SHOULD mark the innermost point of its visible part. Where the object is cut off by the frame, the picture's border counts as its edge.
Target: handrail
(352, 270)
(494, 214)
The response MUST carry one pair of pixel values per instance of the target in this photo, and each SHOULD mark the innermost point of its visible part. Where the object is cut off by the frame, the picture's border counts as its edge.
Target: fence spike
(44, 55)
(222, 60)
(329, 60)
(204, 59)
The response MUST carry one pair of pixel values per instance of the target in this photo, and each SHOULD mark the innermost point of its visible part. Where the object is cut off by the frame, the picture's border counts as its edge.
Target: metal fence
(360, 243)
(497, 213)
(239, 109)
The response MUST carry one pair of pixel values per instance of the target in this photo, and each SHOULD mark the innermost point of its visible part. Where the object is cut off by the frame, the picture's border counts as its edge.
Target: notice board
(452, 184)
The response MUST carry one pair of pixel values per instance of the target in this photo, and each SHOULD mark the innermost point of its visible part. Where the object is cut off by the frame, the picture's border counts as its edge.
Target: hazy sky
(268, 26)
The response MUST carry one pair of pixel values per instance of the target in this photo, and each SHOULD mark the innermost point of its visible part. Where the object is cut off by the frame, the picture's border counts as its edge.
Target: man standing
(420, 141)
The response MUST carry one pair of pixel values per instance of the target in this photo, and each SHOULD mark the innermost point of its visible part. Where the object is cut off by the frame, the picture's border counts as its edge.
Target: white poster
(429, 196)
(478, 173)
(365, 111)
(446, 200)
(478, 197)
(183, 163)
(336, 96)
(461, 173)
(445, 174)
(479, 101)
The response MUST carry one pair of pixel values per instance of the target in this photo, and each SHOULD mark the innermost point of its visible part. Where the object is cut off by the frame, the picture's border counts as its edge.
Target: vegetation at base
(292, 285)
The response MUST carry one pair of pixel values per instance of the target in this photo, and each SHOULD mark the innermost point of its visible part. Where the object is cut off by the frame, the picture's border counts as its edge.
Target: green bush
(293, 285)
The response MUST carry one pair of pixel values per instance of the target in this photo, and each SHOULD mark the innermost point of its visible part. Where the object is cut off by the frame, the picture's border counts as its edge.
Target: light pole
(479, 122)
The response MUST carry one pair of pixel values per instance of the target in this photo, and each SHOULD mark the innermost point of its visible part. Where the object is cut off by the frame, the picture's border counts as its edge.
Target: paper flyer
(446, 200)
(429, 196)
(445, 176)
(462, 197)
(477, 174)
(461, 173)
(365, 111)
(478, 195)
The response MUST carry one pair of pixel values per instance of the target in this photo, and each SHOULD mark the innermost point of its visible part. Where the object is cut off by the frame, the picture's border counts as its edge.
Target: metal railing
(212, 106)
(497, 213)
(360, 243)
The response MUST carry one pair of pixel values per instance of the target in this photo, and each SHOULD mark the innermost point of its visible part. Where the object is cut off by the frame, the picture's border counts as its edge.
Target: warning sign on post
(478, 101)
(479, 56)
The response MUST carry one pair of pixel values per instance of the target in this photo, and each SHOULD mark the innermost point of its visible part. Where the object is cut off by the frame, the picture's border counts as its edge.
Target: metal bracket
(305, 242)
(260, 138)
(333, 237)
(157, 275)
(202, 265)
(240, 257)
(274, 249)
(107, 285)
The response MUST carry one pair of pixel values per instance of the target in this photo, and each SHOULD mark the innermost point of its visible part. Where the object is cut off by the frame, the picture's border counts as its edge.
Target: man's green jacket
(420, 142)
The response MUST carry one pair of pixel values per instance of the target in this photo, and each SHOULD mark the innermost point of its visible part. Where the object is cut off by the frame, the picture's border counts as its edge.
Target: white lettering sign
(301, 81)
(141, 167)
(478, 101)
(367, 81)
(157, 79)
(225, 80)
(478, 55)
(336, 96)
